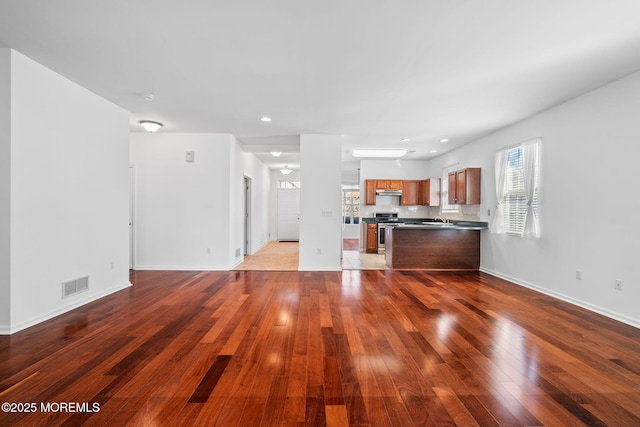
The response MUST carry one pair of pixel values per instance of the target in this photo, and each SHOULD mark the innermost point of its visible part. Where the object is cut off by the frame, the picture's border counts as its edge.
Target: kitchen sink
(437, 224)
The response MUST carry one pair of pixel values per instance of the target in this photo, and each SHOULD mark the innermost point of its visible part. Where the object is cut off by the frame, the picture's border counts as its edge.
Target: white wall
(320, 202)
(260, 201)
(5, 189)
(182, 210)
(69, 193)
(588, 202)
(236, 204)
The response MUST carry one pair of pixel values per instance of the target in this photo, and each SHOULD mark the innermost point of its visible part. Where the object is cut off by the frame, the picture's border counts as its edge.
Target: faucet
(446, 221)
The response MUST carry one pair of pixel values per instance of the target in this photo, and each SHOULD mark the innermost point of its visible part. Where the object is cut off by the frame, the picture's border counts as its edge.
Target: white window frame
(351, 206)
(515, 165)
(288, 184)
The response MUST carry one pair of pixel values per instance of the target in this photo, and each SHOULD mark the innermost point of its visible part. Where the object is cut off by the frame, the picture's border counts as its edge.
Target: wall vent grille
(75, 286)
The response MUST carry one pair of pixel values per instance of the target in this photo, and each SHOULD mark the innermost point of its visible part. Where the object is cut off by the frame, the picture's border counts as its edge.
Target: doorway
(247, 215)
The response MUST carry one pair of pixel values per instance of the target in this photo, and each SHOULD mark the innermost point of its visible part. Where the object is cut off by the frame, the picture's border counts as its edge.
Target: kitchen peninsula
(434, 245)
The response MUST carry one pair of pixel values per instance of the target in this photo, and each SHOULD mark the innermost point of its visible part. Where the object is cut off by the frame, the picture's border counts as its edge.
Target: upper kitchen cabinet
(409, 193)
(429, 192)
(464, 187)
(370, 192)
(388, 184)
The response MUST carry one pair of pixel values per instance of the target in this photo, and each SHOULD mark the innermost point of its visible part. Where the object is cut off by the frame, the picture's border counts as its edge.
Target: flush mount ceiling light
(148, 96)
(150, 126)
(405, 140)
(276, 153)
(444, 140)
(265, 119)
(285, 170)
(379, 153)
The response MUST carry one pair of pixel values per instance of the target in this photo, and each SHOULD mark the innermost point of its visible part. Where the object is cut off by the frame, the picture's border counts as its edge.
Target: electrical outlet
(208, 250)
(618, 285)
(113, 265)
(578, 274)
(319, 251)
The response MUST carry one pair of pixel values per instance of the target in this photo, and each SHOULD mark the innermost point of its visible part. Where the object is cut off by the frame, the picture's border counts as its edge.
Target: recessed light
(405, 140)
(434, 151)
(444, 140)
(265, 119)
(276, 153)
(378, 153)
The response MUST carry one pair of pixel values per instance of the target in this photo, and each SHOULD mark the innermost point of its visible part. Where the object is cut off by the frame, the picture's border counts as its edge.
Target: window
(518, 190)
(289, 184)
(444, 190)
(350, 206)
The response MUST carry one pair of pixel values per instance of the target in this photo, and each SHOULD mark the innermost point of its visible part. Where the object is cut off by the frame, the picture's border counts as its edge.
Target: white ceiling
(373, 71)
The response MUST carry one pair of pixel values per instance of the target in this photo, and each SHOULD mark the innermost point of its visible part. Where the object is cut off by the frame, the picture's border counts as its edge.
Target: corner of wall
(5, 190)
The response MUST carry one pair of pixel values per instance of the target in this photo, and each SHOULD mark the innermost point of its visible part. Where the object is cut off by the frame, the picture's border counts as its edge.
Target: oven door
(381, 231)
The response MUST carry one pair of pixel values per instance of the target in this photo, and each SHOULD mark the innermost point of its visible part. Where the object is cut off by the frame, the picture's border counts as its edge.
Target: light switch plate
(191, 156)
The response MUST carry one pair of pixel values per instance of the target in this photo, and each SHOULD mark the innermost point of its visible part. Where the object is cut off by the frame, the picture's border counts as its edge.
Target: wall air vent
(75, 286)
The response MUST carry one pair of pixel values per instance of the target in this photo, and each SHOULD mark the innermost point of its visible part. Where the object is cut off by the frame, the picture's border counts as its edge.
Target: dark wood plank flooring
(358, 348)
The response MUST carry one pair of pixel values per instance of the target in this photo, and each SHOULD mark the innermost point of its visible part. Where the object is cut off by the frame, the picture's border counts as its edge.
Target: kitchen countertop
(454, 225)
(423, 224)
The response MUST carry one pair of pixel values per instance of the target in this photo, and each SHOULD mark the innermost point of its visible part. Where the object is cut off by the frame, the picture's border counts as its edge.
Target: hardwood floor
(359, 348)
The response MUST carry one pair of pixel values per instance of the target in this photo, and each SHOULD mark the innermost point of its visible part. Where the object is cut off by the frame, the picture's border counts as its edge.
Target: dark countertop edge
(457, 224)
(441, 227)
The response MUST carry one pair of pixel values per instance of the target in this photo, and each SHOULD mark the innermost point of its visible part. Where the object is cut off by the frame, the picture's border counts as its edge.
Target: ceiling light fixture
(405, 140)
(379, 153)
(265, 119)
(286, 170)
(444, 140)
(276, 153)
(148, 96)
(434, 151)
(150, 126)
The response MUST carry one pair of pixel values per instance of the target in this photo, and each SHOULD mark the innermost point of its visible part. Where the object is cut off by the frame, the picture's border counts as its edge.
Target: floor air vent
(75, 286)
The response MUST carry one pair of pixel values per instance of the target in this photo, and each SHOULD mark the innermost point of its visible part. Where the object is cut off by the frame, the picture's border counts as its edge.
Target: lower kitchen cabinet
(372, 238)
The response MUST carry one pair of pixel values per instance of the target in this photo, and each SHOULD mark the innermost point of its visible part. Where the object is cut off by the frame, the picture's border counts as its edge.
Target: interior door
(289, 214)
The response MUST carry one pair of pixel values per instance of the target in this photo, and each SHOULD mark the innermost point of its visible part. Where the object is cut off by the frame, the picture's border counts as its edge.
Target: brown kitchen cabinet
(409, 193)
(429, 192)
(388, 184)
(464, 187)
(370, 192)
(372, 238)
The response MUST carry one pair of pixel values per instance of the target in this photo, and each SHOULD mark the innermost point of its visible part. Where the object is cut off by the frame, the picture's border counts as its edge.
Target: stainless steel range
(384, 220)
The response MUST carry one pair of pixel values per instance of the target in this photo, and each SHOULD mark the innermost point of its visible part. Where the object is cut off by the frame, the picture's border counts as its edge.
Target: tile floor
(355, 260)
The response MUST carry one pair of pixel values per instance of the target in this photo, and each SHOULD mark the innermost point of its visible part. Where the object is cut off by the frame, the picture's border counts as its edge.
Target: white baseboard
(50, 315)
(597, 309)
(180, 268)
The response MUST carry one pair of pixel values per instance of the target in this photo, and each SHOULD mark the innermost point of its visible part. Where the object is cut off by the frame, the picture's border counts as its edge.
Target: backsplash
(469, 212)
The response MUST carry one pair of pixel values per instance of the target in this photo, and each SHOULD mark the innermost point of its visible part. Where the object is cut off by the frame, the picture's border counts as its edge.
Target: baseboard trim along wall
(183, 268)
(600, 310)
(47, 316)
